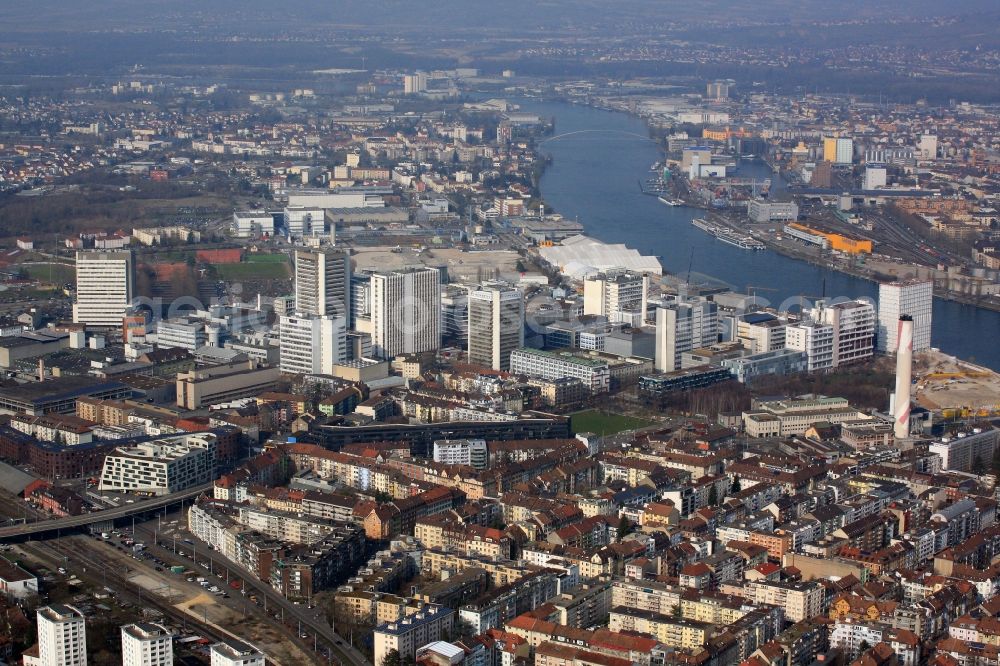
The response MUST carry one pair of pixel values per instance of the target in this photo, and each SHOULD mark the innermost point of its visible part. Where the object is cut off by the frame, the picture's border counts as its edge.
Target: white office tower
(406, 311)
(414, 83)
(904, 376)
(853, 325)
(815, 340)
(231, 652)
(62, 637)
(496, 324)
(323, 283)
(105, 286)
(311, 344)
(147, 644)
(927, 147)
(909, 297)
(618, 295)
(681, 327)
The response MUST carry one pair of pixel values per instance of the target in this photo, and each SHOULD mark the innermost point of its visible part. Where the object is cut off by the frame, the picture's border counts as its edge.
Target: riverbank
(790, 249)
(593, 178)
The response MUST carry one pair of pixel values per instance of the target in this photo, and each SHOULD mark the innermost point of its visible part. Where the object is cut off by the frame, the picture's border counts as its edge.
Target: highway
(124, 511)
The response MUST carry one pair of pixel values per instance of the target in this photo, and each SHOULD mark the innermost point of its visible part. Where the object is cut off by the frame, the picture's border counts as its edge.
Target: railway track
(115, 581)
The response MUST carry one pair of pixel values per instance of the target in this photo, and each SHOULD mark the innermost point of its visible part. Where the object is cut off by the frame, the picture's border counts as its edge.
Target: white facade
(147, 644)
(472, 452)
(681, 327)
(62, 637)
(105, 286)
(323, 283)
(496, 325)
(875, 177)
(615, 295)
(595, 375)
(235, 653)
(800, 600)
(341, 198)
(413, 631)
(162, 466)
(927, 147)
(770, 211)
(414, 83)
(311, 344)
(816, 340)
(911, 297)
(181, 333)
(966, 450)
(247, 224)
(853, 325)
(303, 221)
(406, 312)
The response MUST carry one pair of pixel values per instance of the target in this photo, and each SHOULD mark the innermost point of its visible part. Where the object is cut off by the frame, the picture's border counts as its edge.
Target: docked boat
(670, 202)
(703, 224)
(742, 242)
(729, 236)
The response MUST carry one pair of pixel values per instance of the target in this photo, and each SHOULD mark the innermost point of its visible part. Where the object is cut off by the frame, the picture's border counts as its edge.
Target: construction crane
(755, 289)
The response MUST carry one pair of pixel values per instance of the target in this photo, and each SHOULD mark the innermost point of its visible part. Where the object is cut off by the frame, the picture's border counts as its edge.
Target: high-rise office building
(620, 296)
(147, 644)
(908, 297)
(105, 287)
(361, 298)
(323, 283)
(838, 150)
(62, 637)
(854, 324)
(406, 311)
(835, 335)
(311, 344)
(927, 147)
(455, 313)
(496, 324)
(414, 83)
(681, 327)
(719, 89)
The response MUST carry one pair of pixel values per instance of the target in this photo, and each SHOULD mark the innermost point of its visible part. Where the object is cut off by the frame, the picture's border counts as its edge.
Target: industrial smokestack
(904, 375)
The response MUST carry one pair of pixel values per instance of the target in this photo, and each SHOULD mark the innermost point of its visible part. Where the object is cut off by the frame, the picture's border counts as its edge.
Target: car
(159, 568)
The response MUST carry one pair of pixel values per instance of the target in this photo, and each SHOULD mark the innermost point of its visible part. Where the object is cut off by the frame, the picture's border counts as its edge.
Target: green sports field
(604, 423)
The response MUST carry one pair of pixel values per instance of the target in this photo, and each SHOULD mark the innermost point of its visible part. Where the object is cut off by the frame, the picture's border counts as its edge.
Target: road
(72, 522)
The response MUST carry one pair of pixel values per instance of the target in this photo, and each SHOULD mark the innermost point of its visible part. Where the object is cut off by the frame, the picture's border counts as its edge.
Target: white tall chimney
(904, 375)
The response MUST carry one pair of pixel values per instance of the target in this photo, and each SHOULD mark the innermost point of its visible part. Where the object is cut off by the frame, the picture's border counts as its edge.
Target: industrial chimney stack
(904, 376)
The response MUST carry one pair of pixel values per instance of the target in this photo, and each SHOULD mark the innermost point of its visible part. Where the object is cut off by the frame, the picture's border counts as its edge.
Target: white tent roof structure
(579, 256)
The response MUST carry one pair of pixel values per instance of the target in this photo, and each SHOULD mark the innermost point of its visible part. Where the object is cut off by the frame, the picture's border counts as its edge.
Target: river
(594, 178)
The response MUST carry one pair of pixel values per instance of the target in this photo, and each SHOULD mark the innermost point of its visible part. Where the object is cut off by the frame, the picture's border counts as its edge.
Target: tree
(713, 496)
(996, 460)
(736, 485)
(624, 527)
(978, 466)
(392, 658)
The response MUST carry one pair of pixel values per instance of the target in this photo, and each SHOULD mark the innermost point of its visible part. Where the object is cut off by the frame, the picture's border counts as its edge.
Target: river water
(594, 178)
